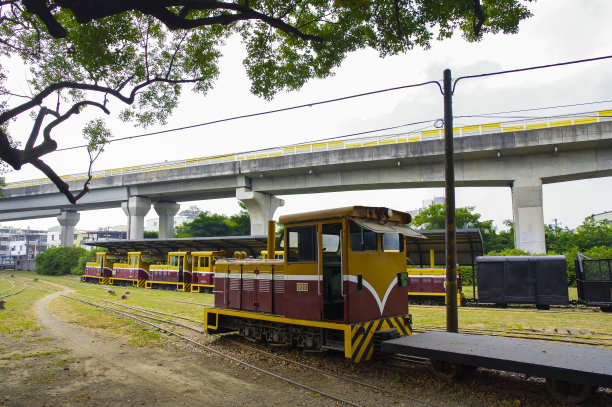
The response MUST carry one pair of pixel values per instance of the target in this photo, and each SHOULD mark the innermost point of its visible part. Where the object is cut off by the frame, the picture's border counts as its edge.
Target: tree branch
(61, 185)
(40, 97)
(39, 7)
(36, 128)
(480, 17)
(86, 11)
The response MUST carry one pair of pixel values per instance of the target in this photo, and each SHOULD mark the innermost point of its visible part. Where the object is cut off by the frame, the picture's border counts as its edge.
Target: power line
(285, 109)
(357, 96)
(531, 68)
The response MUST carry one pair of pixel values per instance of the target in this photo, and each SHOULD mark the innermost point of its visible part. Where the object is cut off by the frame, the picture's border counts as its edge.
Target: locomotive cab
(102, 267)
(135, 269)
(357, 264)
(203, 267)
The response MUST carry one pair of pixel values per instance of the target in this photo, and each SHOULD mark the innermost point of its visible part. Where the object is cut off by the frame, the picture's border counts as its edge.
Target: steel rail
(140, 309)
(217, 352)
(325, 372)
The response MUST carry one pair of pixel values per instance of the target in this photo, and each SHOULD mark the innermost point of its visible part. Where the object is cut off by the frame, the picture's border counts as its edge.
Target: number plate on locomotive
(302, 287)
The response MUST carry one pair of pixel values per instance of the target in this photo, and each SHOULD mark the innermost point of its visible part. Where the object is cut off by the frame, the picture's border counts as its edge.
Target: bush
(596, 252)
(511, 252)
(58, 261)
(87, 256)
(466, 274)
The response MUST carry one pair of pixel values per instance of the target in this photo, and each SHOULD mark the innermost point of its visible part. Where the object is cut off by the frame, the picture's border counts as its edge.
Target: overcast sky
(560, 30)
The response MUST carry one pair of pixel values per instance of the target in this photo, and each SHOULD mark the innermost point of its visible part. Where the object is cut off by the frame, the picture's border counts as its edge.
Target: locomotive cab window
(173, 261)
(362, 239)
(392, 242)
(301, 244)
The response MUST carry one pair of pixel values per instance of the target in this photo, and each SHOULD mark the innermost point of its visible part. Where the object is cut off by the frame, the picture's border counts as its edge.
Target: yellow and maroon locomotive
(100, 270)
(342, 284)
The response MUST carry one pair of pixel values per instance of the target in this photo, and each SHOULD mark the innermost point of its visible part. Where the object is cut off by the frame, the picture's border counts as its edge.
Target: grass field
(18, 316)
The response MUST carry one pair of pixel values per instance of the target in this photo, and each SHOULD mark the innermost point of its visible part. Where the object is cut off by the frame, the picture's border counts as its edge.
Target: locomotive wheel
(568, 392)
(446, 370)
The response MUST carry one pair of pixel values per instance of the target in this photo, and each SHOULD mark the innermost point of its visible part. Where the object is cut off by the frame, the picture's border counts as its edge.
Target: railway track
(4, 294)
(8, 289)
(595, 339)
(558, 309)
(161, 320)
(260, 351)
(400, 362)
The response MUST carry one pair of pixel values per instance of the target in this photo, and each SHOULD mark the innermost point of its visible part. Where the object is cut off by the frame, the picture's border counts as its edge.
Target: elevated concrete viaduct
(522, 160)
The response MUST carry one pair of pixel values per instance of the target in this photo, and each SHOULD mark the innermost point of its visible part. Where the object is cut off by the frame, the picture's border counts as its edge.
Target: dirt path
(97, 370)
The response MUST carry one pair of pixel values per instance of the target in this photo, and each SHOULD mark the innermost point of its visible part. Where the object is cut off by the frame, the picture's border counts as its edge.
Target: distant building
(604, 216)
(21, 244)
(102, 234)
(426, 203)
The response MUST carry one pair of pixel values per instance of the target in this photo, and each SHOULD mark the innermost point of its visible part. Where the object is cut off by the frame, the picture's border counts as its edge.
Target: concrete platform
(571, 363)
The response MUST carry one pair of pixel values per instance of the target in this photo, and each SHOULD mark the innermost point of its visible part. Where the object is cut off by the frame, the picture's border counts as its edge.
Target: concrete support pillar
(136, 208)
(528, 215)
(166, 212)
(68, 220)
(261, 208)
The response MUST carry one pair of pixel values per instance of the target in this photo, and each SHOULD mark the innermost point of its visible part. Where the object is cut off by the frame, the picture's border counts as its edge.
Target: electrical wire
(343, 98)
(245, 116)
(531, 68)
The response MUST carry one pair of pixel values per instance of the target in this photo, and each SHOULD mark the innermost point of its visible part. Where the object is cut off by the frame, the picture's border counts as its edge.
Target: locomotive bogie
(357, 341)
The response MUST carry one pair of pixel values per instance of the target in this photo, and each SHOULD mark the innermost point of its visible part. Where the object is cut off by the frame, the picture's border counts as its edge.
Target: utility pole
(452, 320)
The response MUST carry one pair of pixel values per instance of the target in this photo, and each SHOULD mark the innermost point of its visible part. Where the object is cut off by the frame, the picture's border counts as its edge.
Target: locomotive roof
(253, 245)
(376, 213)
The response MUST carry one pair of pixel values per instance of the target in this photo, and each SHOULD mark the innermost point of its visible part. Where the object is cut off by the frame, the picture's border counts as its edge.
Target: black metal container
(539, 280)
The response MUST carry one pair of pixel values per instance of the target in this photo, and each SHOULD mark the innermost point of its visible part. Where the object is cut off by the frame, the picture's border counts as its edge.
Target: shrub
(511, 252)
(87, 256)
(58, 261)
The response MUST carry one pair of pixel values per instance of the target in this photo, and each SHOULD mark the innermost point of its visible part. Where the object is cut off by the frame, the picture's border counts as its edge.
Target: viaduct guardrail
(409, 137)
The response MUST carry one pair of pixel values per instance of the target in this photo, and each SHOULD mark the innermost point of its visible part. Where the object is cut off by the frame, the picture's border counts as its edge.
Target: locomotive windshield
(301, 242)
(392, 242)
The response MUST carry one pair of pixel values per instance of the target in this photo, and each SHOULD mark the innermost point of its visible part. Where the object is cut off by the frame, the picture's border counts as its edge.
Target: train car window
(174, 260)
(302, 244)
(133, 260)
(204, 261)
(392, 242)
(100, 259)
(362, 239)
